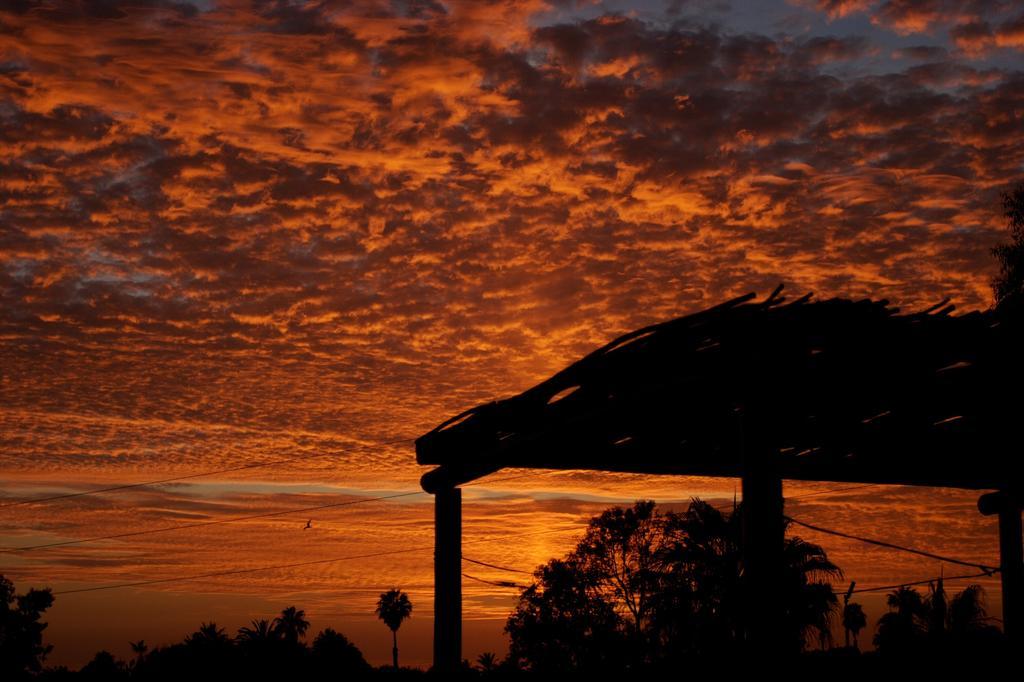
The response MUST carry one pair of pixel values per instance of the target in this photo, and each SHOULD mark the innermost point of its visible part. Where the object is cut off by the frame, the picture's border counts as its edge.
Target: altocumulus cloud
(264, 226)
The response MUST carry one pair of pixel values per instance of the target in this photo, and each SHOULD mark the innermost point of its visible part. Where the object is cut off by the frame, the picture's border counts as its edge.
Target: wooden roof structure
(837, 390)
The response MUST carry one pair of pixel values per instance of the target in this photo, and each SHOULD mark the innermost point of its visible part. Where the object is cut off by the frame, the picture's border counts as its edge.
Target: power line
(986, 570)
(881, 543)
(833, 490)
(496, 567)
(142, 484)
(883, 588)
(218, 522)
(203, 524)
(115, 536)
(240, 571)
(495, 583)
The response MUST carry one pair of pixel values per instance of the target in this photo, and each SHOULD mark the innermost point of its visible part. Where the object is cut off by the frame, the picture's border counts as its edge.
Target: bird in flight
(309, 524)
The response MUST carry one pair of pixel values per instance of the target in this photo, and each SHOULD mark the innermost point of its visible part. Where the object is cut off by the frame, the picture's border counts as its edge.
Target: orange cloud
(242, 231)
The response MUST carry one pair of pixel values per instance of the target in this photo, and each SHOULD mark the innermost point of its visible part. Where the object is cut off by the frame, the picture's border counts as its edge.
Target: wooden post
(763, 536)
(1011, 568)
(447, 580)
(1011, 558)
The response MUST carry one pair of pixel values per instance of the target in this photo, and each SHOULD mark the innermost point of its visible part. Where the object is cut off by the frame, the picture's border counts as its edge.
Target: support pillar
(762, 553)
(1011, 559)
(447, 579)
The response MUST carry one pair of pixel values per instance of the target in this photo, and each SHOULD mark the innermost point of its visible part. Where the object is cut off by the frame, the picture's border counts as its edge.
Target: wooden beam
(447, 580)
(846, 391)
(447, 477)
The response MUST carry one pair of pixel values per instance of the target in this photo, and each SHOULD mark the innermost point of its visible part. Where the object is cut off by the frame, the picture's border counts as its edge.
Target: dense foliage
(21, 632)
(644, 588)
(1008, 285)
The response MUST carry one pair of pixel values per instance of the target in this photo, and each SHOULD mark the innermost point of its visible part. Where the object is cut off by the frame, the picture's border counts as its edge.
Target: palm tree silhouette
(258, 632)
(211, 645)
(291, 625)
(854, 620)
(487, 662)
(393, 607)
(915, 620)
(807, 592)
(967, 612)
(208, 635)
(901, 629)
(139, 648)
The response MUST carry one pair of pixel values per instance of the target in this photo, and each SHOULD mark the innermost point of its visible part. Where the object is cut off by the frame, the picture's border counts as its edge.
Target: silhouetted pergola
(835, 390)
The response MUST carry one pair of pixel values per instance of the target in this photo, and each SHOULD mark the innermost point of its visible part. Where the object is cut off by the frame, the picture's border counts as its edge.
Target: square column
(1007, 504)
(447, 579)
(763, 540)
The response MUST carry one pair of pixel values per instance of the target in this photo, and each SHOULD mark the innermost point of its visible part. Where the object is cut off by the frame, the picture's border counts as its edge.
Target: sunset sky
(240, 231)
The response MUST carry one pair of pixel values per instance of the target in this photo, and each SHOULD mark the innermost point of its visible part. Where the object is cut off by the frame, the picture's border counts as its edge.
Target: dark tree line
(645, 589)
(656, 592)
(918, 624)
(263, 648)
(642, 592)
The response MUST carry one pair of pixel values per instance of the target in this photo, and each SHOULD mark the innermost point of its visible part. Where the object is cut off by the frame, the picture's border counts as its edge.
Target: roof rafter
(837, 390)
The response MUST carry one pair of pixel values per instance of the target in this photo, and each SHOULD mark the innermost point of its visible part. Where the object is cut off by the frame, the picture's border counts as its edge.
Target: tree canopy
(393, 607)
(1008, 285)
(644, 588)
(918, 622)
(21, 631)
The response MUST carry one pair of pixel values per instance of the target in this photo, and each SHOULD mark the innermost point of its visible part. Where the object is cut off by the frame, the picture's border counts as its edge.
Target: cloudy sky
(240, 231)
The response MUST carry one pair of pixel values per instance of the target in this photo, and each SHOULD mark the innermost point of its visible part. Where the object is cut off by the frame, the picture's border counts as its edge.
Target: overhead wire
(496, 567)
(235, 519)
(986, 570)
(495, 583)
(891, 545)
(298, 564)
(831, 491)
(201, 474)
(203, 524)
(885, 588)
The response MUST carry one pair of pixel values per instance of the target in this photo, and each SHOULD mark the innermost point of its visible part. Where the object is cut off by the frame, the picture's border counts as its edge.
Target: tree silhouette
(103, 666)
(139, 648)
(259, 651)
(209, 648)
(643, 588)
(854, 620)
(393, 607)
(291, 625)
(936, 611)
(901, 629)
(487, 662)
(333, 653)
(562, 622)
(967, 613)
(257, 633)
(945, 625)
(625, 547)
(1008, 285)
(808, 598)
(21, 633)
(208, 636)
